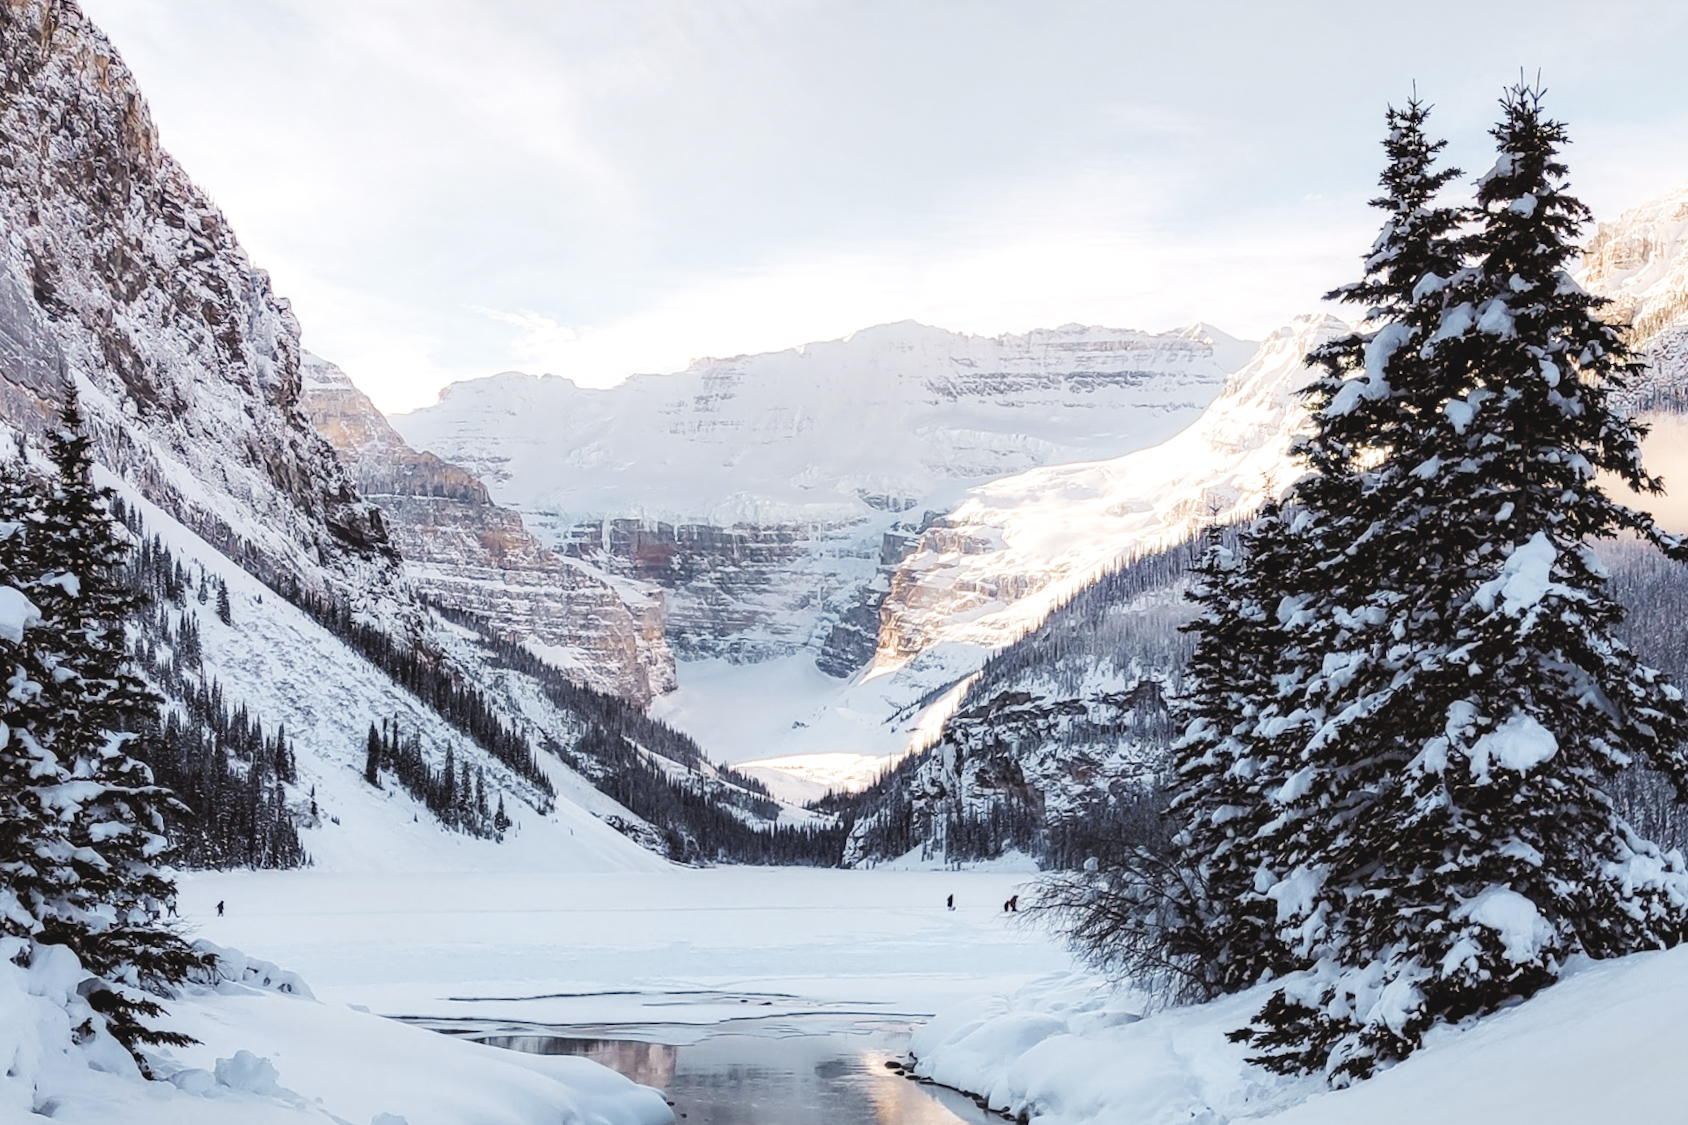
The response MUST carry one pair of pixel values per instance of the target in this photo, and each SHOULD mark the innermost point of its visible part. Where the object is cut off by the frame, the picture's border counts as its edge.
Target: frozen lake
(750, 995)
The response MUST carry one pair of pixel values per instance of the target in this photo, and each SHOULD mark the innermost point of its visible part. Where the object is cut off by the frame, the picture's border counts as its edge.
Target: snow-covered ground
(1605, 1044)
(682, 948)
(270, 1053)
(591, 948)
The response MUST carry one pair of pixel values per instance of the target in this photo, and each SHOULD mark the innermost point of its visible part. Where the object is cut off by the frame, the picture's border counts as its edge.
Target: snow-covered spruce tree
(111, 814)
(1296, 586)
(1343, 612)
(1461, 842)
(1226, 765)
(35, 850)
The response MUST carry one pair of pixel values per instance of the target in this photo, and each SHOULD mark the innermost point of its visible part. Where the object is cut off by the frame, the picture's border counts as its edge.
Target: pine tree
(225, 613)
(1246, 794)
(112, 919)
(35, 873)
(372, 758)
(1454, 841)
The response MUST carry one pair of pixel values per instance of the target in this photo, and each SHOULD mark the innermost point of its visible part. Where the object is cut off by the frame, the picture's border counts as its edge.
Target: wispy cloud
(638, 183)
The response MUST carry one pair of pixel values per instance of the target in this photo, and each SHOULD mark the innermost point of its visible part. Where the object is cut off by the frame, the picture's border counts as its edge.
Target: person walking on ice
(950, 902)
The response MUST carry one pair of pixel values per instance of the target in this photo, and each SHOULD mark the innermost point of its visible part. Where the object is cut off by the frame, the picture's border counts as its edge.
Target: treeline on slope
(1087, 631)
(1042, 693)
(597, 708)
(229, 778)
(697, 823)
(455, 793)
(701, 812)
(1654, 592)
(434, 682)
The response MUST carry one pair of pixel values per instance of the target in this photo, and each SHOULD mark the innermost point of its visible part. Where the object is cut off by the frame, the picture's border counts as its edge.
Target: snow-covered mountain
(119, 276)
(1028, 636)
(1016, 547)
(117, 271)
(1640, 262)
(462, 549)
(1010, 557)
(994, 568)
(764, 491)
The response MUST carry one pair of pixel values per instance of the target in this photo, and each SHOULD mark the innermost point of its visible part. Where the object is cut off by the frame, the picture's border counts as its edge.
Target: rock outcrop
(758, 490)
(465, 552)
(1640, 262)
(118, 273)
(1017, 547)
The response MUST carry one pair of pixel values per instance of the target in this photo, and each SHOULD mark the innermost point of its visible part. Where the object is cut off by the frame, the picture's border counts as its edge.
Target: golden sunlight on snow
(1665, 453)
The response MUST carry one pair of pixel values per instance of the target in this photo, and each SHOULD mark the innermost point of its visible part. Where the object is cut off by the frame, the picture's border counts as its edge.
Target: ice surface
(581, 948)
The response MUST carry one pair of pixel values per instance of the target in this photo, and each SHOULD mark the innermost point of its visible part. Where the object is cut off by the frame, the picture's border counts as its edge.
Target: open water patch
(823, 1068)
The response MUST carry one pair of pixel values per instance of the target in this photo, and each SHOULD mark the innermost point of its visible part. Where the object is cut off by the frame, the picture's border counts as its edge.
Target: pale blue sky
(449, 188)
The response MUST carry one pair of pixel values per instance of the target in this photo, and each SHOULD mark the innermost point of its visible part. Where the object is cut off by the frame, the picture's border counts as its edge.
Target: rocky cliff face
(1016, 547)
(119, 277)
(1640, 261)
(118, 273)
(468, 553)
(759, 490)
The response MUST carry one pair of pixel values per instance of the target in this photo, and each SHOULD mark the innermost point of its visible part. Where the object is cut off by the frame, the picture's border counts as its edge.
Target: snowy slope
(1604, 1044)
(1017, 546)
(292, 671)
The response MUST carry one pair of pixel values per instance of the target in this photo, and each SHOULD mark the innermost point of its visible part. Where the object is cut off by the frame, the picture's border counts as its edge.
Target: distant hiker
(1012, 906)
(171, 907)
(950, 902)
(219, 908)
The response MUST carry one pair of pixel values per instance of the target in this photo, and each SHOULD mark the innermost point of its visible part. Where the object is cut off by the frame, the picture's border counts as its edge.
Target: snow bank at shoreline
(268, 1052)
(1604, 1044)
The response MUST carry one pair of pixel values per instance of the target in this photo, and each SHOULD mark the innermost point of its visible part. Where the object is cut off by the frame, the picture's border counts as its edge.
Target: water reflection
(789, 1071)
(650, 1064)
